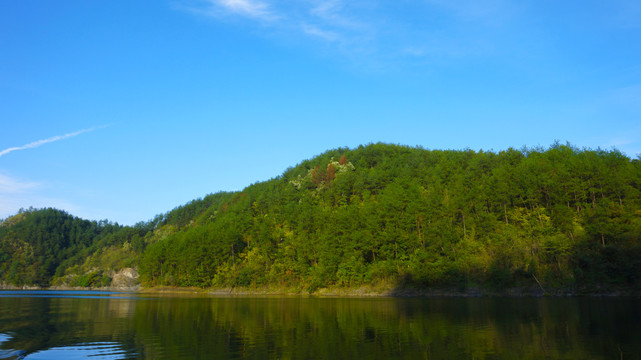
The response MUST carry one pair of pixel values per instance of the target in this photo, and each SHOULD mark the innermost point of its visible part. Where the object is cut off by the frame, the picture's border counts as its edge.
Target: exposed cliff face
(126, 278)
(6, 286)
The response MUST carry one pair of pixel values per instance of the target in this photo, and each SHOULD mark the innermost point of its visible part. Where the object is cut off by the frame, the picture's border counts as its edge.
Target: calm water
(99, 325)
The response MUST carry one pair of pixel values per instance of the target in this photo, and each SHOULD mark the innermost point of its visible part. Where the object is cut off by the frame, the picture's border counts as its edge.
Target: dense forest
(560, 219)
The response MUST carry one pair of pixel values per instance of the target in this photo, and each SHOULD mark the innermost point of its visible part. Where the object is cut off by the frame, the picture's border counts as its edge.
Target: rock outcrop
(126, 278)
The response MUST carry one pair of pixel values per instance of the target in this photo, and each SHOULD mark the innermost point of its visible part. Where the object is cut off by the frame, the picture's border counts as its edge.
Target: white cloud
(371, 31)
(18, 193)
(323, 20)
(38, 143)
(318, 32)
(333, 12)
(9, 185)
(247, 8)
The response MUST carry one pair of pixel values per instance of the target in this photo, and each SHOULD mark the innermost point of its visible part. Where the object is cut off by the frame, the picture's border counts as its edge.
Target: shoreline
(363, 291)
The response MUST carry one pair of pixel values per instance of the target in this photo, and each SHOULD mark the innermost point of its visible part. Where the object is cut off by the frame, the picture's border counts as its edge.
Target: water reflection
(129, 326)
(67, 294)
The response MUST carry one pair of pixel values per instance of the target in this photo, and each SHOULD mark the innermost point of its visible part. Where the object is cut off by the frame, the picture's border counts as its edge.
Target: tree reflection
(327, 328)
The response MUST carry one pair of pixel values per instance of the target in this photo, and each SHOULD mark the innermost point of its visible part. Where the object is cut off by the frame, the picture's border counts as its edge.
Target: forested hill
(559, 219)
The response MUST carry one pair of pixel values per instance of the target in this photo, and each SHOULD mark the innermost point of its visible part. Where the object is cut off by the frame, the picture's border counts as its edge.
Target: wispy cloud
(10, 205)
(315, 31)
(368, 30)
(253, 9)
(335, 13)
(17, 193)
(38, 143)
(250, 8)
(10, 185)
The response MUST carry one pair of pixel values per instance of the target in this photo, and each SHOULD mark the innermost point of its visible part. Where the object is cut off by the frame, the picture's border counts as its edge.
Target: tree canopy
(556, 218)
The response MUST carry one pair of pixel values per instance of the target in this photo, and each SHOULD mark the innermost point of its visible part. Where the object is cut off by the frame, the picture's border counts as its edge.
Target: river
(109, 325)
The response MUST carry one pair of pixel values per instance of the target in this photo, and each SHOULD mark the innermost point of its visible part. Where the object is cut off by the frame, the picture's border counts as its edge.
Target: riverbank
(362, 291)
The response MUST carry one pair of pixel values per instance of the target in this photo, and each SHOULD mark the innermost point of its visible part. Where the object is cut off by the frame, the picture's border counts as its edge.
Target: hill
(559, 219)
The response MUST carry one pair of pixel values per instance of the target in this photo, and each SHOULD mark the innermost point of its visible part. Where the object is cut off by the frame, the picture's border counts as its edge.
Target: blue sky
(123, 110)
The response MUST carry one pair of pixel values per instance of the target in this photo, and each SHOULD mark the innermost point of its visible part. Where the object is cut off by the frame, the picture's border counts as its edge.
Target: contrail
(35, 144)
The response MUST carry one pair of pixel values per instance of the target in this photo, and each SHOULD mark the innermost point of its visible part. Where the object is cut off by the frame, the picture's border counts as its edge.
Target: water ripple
(96, 350)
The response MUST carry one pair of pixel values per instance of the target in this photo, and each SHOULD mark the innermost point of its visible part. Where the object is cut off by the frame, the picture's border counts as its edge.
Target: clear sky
(122, 110)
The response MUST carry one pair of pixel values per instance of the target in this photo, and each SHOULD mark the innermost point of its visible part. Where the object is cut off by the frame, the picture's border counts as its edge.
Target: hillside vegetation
(556, 219)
